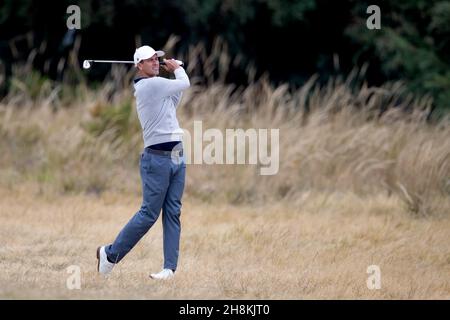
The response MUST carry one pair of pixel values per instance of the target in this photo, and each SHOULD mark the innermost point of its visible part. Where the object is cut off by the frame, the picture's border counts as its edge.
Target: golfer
(162, 164)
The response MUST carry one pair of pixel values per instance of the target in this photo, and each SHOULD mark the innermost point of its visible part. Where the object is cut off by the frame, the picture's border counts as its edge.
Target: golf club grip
(180, 63)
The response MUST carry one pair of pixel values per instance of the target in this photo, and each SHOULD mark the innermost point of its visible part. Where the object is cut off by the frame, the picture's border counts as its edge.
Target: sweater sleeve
(162, 87)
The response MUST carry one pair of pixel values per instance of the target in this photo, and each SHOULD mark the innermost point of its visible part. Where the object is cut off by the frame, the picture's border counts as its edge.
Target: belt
(177, 152)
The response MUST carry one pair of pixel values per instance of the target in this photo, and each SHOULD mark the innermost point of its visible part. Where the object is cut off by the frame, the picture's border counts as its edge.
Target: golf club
(88, 63)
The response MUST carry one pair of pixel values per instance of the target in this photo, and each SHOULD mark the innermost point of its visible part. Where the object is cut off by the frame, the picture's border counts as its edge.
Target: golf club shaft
(131, 62)
(110, 61)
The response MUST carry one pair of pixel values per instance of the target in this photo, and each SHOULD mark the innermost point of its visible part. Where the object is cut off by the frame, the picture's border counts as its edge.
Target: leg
(155, 181)
(171, 216)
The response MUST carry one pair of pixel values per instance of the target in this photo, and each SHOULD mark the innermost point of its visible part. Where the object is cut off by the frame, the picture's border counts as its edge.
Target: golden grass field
(317, 249)
(356, 187)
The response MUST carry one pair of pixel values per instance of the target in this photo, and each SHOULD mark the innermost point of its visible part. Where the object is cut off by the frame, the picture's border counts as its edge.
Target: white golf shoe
(103, 266)
(165, 274)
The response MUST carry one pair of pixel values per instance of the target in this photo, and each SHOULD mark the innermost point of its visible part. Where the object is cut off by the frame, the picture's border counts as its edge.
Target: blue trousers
(163, 179)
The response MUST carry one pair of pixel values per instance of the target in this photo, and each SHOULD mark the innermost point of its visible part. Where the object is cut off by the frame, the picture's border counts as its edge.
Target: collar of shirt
(139, 79)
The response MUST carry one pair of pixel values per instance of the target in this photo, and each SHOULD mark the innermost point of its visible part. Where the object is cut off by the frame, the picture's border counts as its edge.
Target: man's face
(150, 66)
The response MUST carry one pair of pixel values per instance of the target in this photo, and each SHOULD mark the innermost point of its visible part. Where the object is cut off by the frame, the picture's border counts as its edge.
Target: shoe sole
(98, 259)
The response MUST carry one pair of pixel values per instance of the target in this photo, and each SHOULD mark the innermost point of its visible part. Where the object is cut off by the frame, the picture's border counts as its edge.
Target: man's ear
(139, 66)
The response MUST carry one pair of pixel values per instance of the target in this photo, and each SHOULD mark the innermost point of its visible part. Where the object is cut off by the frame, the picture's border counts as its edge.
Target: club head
(86, 64)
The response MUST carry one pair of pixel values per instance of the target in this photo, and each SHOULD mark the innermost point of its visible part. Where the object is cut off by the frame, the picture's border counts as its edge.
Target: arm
(162, 87)
(177, 96)
(180, 76)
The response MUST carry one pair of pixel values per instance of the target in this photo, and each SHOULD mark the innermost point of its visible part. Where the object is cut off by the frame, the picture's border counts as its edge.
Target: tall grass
(336, 138)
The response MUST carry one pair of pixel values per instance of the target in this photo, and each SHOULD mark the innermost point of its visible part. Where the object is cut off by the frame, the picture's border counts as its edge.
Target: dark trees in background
(290, 39)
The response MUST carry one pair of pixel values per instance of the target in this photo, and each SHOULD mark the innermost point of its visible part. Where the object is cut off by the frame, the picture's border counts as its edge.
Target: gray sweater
(156, 100)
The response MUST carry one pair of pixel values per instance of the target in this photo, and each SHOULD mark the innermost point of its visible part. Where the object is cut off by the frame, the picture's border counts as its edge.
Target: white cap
(145, 52)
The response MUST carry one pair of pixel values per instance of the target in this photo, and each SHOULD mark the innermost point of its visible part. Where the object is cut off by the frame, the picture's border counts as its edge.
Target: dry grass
(337, 146)
(320, 249)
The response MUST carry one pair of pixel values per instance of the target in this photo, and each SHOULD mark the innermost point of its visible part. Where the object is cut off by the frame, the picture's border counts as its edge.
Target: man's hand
(170, 65)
